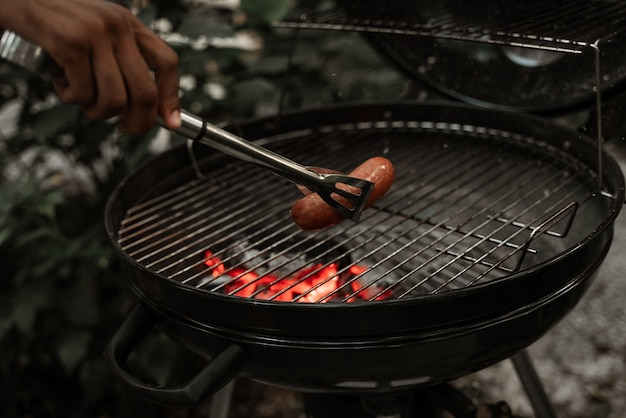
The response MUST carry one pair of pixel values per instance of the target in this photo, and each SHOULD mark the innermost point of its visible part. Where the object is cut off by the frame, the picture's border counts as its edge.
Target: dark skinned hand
(112, 64)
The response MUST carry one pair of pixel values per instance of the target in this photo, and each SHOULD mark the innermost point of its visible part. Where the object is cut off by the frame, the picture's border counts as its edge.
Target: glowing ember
(310, 284)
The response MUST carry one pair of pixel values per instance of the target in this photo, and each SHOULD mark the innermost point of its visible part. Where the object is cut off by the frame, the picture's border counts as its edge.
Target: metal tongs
(347, 195)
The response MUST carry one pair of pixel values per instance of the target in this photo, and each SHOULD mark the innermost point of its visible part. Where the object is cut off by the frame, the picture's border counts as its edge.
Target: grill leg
(532, 385)
(220, 403)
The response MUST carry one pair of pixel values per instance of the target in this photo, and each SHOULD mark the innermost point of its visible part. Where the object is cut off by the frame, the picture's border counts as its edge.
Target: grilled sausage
(311, 212)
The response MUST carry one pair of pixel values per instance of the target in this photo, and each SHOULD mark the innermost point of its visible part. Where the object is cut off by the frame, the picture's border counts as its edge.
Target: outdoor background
(61, 293)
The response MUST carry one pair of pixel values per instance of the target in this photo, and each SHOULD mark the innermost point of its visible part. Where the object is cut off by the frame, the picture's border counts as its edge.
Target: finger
(111, 96)
(77, 86)
(164, 62)
(141, 110)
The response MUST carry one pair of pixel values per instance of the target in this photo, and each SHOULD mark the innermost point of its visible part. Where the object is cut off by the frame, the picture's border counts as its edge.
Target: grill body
(380, 363)
(414, 338)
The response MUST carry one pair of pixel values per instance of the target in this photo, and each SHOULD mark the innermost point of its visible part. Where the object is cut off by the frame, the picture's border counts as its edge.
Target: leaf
(134, 149)
(148, 14)
(27, 304)
(248, 92)
(30, 237)
(5, 233)
(270, 10)
(81, 308)
(89, 135)
(48, 202)
(196, 25)
(95, 379)
(6, 324)
(50, 122)
(271, 66)
(72, 347)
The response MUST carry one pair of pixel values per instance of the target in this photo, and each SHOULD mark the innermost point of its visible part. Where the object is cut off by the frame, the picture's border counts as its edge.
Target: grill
(472, 204)
(492, 231)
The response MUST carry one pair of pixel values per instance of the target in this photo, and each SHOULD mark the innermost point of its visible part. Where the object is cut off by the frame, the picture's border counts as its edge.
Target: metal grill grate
(546, 25)
(470, 205)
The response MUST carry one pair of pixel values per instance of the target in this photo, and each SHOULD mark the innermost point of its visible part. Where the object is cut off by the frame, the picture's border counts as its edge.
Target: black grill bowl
(421, 339)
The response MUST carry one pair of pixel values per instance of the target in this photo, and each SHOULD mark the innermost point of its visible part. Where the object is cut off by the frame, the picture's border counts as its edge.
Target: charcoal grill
(492, 232)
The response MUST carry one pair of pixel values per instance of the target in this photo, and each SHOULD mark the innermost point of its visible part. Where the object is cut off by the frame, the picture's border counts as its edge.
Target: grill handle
(222, 369)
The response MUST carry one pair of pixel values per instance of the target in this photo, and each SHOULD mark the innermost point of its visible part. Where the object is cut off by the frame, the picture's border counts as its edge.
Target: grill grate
(546, 25)
(470, 205)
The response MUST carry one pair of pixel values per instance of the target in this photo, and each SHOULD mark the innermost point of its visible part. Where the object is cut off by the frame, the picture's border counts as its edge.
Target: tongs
(347, 195)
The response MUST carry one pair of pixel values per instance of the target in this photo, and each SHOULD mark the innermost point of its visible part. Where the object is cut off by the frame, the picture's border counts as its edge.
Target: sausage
(311, 212)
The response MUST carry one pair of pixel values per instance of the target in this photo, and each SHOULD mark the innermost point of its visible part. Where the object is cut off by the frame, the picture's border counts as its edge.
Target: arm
(107, 56)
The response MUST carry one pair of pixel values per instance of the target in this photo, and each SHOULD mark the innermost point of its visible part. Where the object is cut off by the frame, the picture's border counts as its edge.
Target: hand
(107, 56)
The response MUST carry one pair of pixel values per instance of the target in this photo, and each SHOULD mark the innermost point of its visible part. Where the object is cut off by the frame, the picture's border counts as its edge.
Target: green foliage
(61, 292)
(270, 10)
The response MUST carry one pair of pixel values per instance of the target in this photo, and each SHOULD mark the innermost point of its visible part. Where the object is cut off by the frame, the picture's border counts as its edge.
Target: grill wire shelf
(552, 25)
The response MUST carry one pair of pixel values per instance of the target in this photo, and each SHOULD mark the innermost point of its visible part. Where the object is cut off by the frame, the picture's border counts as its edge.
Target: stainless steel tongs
(347, 195)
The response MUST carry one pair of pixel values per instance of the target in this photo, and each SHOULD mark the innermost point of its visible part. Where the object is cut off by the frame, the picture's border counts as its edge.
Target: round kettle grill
(491, 233)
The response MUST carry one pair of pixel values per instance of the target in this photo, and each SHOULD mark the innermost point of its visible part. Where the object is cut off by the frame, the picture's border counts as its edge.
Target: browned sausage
(311, 212)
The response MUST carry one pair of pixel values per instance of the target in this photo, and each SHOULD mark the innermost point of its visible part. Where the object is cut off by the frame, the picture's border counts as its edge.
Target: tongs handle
(203, 132)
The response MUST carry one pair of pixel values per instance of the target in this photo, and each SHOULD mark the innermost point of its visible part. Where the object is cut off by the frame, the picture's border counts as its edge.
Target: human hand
(112, 64)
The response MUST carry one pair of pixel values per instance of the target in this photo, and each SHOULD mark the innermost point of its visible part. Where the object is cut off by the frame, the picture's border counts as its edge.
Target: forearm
(15, 16)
